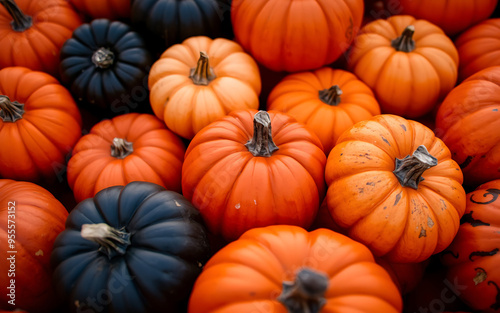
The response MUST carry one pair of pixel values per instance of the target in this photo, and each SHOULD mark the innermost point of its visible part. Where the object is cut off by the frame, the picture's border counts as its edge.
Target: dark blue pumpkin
(105, 65)
(137, 248)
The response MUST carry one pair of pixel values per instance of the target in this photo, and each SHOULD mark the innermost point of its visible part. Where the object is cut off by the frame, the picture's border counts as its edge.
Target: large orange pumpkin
(328, 100)
(291, 35)
(39, 125)
(195, 82)
(393, 185)
(254, 168)
(33, 31)
(409, 63)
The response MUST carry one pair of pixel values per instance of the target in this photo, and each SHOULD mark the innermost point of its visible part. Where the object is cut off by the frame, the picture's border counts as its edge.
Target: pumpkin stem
(10, 111)
(202, 74)
(20, 21)
(409, 170)
(262, 143)
(405, 42)
(113, 241)
(306, 293)
(331, 96)
(103, 58)
(121, 148)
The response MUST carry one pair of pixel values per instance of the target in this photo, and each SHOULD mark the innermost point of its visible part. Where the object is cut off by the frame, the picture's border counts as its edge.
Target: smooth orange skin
(461, 268)
(110, 9)
(468, 121)
(247, 275)
(409, 84)
(296, 35)
(297, 95)
(452, 17)
(35, 147)
(236, 191)
(39, 217)
(478, 48)
(157, 156)
(38, 47)
(366, 199)
(186, 107)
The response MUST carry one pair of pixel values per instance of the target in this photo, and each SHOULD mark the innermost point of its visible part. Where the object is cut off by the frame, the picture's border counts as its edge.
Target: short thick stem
(409, 170)
(120, 148)
(10, 111)
(20, 21)
(331, 96)
(262, 143)
(103, 58)
(202, 74)
(112, 241)
(306, 294)
(405, 42)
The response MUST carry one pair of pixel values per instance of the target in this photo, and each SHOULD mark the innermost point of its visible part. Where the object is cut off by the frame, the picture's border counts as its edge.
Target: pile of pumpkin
(249, 156)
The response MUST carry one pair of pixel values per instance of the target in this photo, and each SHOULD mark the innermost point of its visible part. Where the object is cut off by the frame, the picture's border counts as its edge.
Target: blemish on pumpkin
(177, 203)
(39, 253)
(423, 233)
(385, 207)
(385, 140)
(480, 276)
(361, 190)
(402, 126)
(371, 183)
(237, 206)
(483, 254)
(252, 293)
(398, 197)
(467, 161)
(495, 110)
(430, 222)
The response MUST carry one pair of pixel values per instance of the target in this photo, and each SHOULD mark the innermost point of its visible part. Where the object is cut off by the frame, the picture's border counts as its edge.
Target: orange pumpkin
(393, 186)
(129, 147)
(288, 35)
(196, 82)
(253, 168)
(39, 125)
(409, 63)
(468, 121)
(284, 268)
(32, 32)
(327, 100)
(109, 9)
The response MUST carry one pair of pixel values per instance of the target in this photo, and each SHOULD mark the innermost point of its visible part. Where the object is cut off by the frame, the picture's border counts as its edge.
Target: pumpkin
(109, 9)
(32, 32)
(296, 36)
(39, 125)
(323, 272)
(132, 248)
(406, 276)
(452, 17)
(409, 63)
(194, 83)
(393, 186)
(473, 257)
(468, 121)
(478, 48)
(129, 147)
(31, 219)
(327, 100)
(252, 169)
(105, 65)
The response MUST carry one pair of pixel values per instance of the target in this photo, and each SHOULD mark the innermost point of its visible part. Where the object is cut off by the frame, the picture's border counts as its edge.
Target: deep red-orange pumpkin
(110, 9)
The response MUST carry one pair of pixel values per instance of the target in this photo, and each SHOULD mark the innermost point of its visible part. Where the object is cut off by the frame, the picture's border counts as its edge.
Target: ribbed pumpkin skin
(247, 275)
(37, 47)
(35, 220)
(365, 197)
(473, 257)
(35, 147)
(110, 9)
(468, 121)
(291, 35)
(409, 84)
(156, 157)
(186, 107)
(297, 95)
(478, 48)
(235, 190)
(117, 89)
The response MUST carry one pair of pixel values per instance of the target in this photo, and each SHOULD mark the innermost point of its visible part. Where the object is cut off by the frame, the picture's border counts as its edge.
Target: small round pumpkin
(409, 63)
(32, 218)
(327, 100)
(393, 186)
(110, 9)
(254, 168)
(283, 268)
(39, 125)
(196, 82)
(129, 147)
